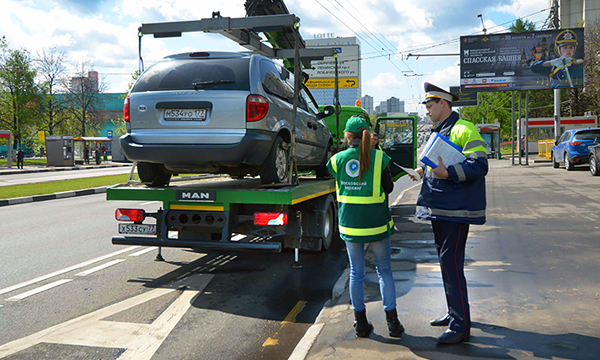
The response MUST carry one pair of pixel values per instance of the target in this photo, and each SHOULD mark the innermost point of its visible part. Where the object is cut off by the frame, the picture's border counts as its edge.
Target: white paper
(409, 171)
(436, 147)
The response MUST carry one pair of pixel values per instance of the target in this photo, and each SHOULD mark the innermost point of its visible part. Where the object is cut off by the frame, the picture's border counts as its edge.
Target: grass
(13, 191)
(37, 161)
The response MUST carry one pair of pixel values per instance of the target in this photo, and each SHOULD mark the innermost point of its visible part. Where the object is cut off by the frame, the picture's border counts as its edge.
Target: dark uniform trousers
(450, 242)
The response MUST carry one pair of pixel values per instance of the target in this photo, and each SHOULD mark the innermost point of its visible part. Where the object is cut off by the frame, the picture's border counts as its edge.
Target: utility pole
(556, 25)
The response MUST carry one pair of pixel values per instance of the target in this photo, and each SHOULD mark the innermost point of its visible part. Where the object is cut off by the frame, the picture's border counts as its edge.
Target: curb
(29, 171)
(60, 195)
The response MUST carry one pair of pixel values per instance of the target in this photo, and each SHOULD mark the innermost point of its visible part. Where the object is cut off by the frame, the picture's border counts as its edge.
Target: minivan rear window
(182, 74)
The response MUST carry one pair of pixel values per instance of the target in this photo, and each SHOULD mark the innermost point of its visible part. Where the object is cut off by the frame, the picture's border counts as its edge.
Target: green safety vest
(363, 212)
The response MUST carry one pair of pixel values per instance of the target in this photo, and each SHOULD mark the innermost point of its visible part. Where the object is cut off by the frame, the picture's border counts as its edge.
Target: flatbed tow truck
(222, 213)
(212, 212)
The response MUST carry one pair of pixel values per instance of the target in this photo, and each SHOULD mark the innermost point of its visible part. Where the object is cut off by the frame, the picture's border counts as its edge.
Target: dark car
(595, 159)
(221, 113)
(573, 147)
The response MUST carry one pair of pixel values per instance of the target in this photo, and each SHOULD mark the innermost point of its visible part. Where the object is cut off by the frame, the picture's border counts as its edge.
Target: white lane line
(65, 270)
(142, 252)
(238, 237)
(38, 290)
(97, 268)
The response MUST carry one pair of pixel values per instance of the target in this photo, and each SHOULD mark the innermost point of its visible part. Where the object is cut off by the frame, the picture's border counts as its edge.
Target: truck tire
(153, 174)
(329, 227)
(323, 171)
(276, 166)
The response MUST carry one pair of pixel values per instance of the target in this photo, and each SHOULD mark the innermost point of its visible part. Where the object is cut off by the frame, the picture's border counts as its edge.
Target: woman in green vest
(363, 181)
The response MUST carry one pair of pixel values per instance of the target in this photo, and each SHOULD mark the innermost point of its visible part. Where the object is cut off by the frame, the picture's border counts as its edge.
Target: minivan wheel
(153, 174)
(275, 167)
(555, 163)
(594, 166)
(568, 163)
(323, 171)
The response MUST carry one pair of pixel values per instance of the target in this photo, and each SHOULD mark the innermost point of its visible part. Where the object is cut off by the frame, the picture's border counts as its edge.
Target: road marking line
(142, 252)
(140, 340)
(290, 318)
(402, 194)
(65, 270)
(238, 237)
(100, 267)
(39, 290)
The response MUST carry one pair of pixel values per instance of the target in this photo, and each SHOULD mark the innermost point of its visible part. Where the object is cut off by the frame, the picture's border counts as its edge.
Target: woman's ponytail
(365, 153)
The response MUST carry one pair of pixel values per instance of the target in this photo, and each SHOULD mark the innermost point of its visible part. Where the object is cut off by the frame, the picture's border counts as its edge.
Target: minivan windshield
(195, 74)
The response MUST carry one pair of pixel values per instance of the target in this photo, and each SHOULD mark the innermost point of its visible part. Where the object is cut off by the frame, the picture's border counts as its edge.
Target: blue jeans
(382, 250)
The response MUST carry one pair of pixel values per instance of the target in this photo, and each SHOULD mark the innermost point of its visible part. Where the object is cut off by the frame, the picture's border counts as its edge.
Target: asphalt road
(65, 245)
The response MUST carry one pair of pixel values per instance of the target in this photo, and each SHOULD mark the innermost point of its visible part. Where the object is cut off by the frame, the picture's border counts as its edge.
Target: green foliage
(521, 25)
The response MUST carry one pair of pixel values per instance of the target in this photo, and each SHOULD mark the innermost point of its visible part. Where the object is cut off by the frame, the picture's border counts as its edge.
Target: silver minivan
(221, 113)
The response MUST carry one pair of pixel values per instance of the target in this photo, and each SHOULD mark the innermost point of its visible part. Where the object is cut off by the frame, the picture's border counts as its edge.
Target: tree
(51, 65)
(521, 25)
(83, 100)
(20, 96)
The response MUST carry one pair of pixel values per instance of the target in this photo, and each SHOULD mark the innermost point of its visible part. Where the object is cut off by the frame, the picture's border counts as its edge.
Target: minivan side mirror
(327, 110)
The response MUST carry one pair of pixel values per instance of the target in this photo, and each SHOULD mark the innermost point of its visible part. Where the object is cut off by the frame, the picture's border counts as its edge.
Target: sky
(104, 33)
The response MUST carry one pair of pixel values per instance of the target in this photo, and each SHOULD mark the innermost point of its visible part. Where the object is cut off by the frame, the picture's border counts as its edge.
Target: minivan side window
(306, 98)
(272, 82)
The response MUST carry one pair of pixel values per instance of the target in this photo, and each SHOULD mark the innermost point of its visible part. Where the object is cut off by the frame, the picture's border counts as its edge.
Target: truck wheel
(594, 166)
(568, 163)
(329, 227)
(555, 163)
(323, 171)
(153, 174)
(275, 168)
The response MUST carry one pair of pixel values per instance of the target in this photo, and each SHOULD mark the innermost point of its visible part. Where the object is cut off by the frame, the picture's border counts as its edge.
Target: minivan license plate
(185, 114)
(137, 229)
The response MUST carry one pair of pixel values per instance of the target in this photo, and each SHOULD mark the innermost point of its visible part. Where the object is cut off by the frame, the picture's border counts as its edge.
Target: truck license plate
(137, 229)
(185, 114)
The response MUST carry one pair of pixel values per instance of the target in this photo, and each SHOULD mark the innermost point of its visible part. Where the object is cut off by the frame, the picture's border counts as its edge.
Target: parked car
(224, 113)
(595, 159)
(573, 147)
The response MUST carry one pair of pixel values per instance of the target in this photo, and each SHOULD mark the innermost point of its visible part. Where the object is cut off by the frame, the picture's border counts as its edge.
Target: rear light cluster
(135, 215)
(256, 108)
(126, 110)
(270, 219)
(574, 143)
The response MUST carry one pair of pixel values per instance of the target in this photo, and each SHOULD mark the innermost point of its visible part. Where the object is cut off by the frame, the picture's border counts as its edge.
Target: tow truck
(222, 213)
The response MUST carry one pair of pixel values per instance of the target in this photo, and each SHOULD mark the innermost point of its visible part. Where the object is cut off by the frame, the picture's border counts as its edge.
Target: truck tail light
(256, 108)
(574, 143)
(270, 219)
(135, 215)
(126, 110)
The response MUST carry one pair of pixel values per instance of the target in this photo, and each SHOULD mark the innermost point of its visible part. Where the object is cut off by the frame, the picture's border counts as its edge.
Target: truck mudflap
(207, 245)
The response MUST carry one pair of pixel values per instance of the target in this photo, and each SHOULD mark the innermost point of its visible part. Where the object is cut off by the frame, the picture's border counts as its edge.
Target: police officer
(363, 180)
(453, 197)
(564, 71)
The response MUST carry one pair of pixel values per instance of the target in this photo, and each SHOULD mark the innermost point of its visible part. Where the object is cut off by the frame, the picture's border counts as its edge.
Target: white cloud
(385, 81)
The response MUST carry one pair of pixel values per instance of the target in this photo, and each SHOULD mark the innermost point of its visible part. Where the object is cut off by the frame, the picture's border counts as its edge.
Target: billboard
(522, 61)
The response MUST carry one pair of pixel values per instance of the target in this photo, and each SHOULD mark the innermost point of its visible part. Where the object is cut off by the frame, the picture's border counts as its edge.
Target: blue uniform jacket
(461, 197)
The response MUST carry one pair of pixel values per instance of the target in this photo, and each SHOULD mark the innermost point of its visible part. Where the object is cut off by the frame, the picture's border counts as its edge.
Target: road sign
(109, 134)
(329, 83)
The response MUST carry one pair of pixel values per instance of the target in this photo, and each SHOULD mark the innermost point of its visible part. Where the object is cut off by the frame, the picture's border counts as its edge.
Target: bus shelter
(85, 146)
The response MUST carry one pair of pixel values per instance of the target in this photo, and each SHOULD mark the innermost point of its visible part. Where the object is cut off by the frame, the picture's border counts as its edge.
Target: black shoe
(362, 326)
(394, 326)
(453, 337)
(443, 321)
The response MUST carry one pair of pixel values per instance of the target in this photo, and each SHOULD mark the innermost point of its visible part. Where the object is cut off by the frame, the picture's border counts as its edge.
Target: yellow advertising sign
(329, 83)
(41, 136)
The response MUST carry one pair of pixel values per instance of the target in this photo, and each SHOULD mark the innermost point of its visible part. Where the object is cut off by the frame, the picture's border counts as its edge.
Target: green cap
(356, 124)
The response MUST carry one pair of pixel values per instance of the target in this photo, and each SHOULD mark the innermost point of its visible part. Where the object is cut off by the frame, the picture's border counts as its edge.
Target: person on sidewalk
(20, 158)
(452, 198)
(363, 180)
